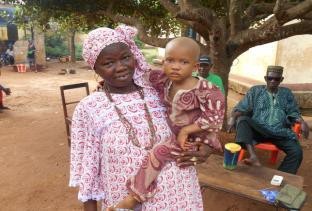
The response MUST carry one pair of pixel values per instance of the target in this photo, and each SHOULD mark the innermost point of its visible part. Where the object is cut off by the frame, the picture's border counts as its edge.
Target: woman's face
(116, 65)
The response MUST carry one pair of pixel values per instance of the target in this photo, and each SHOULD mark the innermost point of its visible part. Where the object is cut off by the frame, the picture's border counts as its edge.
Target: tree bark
(72, 45)
(40, 53)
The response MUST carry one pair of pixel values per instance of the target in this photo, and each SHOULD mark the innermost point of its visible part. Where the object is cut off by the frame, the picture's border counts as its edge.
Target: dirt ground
(34, 154)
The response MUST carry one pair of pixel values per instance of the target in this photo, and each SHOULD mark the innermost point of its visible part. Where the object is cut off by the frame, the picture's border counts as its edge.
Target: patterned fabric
(102, 157)
(214, 79)
(100, 38)
(203, 105)
(274, 112)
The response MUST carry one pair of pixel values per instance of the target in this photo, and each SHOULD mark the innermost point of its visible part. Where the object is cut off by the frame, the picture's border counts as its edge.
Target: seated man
(205, 65)
(267, 112)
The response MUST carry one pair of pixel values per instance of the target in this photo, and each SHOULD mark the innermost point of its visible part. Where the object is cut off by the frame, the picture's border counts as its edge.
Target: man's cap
(276, 69)
(205, 60)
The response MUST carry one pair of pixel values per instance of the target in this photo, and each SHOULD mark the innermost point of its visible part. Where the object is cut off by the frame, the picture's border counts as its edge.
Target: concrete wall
(40, 48)
(293, 53)
(20, 51)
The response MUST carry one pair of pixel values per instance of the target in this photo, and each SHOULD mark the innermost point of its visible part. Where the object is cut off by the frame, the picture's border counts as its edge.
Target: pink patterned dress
(202, 105)
(103, 159)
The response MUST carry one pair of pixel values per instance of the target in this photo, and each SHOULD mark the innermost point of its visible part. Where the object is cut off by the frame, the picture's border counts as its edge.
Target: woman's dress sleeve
(85, 164)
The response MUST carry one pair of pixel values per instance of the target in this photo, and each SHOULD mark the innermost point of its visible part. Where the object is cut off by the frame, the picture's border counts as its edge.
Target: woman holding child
(113, 131)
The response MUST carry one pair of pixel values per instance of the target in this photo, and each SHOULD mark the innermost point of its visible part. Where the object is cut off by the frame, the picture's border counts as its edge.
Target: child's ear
(196, 67)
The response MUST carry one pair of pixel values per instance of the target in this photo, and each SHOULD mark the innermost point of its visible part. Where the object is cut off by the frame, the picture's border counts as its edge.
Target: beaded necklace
(129, 128)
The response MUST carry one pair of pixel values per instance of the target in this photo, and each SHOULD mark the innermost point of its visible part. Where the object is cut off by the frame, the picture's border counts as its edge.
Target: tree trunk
(40, 54)
(223, 70)
(72, 45)
(221, 61)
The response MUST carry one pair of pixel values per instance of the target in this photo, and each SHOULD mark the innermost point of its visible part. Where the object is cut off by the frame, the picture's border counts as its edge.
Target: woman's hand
(192, 158)
(90, 205)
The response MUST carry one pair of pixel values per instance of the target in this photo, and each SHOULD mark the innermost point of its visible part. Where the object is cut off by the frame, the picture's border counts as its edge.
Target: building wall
(293, 53)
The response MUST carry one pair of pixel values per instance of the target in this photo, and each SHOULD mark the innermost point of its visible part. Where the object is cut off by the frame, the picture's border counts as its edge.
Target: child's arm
(212, 106)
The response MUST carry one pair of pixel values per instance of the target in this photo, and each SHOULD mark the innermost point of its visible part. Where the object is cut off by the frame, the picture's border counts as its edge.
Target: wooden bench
(238, 189)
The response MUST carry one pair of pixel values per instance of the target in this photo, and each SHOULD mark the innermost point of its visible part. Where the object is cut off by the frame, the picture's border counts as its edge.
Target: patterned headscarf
(102, 37)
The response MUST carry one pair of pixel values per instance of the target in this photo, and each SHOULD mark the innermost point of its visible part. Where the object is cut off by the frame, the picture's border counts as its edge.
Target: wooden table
(238, 189)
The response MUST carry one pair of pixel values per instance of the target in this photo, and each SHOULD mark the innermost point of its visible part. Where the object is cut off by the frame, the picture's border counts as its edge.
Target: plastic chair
(65, 103)
(267, 145)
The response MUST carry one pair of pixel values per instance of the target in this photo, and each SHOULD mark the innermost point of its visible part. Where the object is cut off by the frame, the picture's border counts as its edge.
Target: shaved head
(185, 43)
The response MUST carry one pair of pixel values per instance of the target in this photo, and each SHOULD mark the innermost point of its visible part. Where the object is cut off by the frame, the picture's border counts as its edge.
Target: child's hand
(182, 140)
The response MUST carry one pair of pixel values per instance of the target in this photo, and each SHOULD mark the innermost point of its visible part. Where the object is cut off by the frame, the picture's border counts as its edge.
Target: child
(195, 108)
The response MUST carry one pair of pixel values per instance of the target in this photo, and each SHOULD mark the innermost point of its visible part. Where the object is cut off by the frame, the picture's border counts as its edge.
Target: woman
(113, 130)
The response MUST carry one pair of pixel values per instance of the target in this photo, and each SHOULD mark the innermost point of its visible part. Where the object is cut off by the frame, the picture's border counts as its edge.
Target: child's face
(179, 63)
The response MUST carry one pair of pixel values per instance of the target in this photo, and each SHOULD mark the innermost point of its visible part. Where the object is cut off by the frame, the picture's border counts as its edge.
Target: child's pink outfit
(203, 105)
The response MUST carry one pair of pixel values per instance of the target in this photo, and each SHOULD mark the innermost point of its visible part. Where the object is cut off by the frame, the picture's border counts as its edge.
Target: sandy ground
(34, 153)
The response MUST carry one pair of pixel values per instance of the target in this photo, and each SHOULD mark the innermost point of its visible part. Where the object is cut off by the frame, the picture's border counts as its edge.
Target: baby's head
(181, 58)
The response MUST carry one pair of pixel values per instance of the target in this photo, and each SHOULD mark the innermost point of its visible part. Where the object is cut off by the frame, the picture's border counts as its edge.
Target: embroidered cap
(274, 68)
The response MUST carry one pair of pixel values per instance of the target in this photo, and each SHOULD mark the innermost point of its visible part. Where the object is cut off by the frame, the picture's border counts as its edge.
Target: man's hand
(192, 158)
(305, 129)
(230, 124)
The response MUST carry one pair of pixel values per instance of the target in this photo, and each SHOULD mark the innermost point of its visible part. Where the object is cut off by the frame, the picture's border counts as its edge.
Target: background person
(205, 65)
(268, 112)
(7, 91)
(10, 55)
(31, 54)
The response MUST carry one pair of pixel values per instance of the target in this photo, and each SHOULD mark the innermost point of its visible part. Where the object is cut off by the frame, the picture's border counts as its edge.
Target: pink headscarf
(100, 38)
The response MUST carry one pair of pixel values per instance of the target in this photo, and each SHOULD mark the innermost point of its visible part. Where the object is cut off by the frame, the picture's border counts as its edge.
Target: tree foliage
(238, 23)
(229, 27)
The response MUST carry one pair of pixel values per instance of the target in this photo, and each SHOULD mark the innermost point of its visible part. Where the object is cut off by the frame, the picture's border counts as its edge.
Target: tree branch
(259, 9)
(235, 16)
(278, 9)
(171, 7)
(252, 37)
(297, 11)
(142, 31)
(190, 10)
